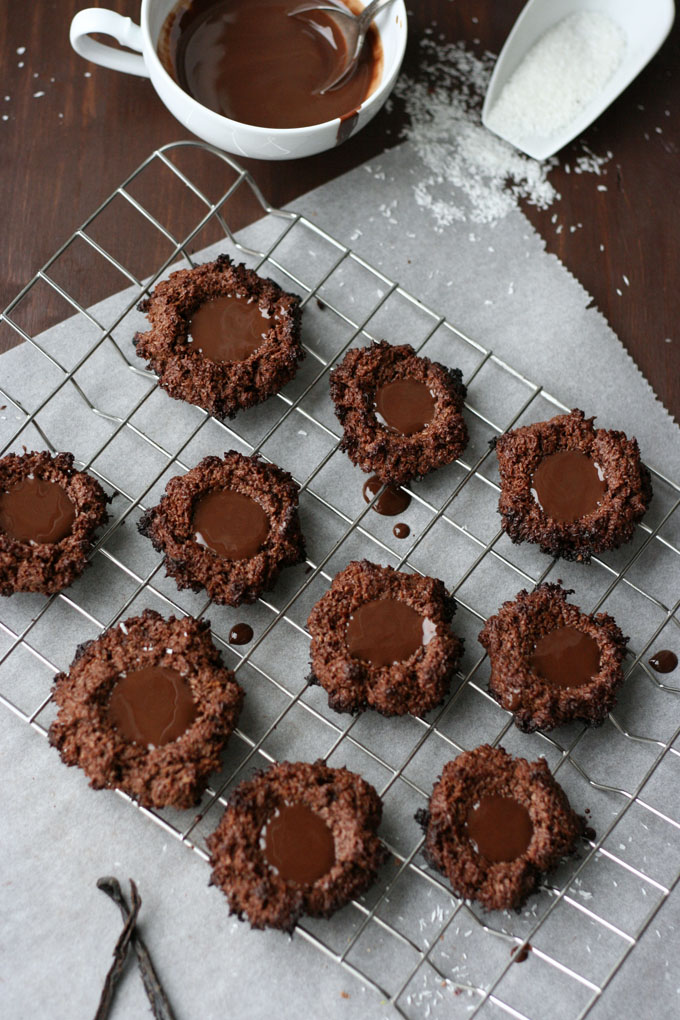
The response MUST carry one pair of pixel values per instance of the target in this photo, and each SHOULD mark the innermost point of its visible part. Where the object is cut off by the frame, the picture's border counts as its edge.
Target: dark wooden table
(74, 131)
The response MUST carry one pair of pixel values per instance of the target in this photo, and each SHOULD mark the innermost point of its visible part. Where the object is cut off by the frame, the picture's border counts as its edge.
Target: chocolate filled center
(387, 631)
(299, 844)
(233, 525)
(153, 705)
(248, 60)
(228, 328)
(499, 828)
(34, 510)
(566, 657)
(405, 406)
(568, 485)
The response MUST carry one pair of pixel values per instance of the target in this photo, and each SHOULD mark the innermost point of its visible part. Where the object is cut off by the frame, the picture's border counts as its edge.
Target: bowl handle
(94, 19)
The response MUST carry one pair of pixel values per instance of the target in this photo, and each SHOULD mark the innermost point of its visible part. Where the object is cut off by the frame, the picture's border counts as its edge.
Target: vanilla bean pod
(157, 998)
(119, 956)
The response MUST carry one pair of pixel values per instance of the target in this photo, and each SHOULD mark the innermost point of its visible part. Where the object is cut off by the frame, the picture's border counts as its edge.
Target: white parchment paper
(58, 837)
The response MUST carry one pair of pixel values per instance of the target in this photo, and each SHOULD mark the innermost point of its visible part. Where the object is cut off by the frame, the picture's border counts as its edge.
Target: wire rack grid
(409, 939)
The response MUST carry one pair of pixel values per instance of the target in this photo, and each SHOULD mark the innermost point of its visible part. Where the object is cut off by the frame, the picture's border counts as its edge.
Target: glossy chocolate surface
(36, 511)
(566, 657)
(299, 844)
(499, 828)
(405, 406)
(248, 60)
(228, 328)
(233, 525)
(664, 661)
(153, 705)
(568, 485)
(391, 502)
(401, 530)
(240, 634)
(386, 631)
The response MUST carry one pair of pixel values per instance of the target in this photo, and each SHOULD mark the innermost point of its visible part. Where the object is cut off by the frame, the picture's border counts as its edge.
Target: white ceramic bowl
(230, 135)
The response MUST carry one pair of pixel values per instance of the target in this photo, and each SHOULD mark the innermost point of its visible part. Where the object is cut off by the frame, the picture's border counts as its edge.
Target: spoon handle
(369, 12)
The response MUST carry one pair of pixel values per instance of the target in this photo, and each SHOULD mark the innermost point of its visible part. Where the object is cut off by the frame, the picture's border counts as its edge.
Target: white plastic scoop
(638, 30)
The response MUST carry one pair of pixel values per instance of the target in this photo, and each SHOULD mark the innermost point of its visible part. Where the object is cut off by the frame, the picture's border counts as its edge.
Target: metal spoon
(353, 29)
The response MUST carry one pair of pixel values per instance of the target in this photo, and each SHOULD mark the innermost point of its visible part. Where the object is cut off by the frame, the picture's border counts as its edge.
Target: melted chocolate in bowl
(387, 631)
(36, 511)
(248, 60)
(229, 328)
(499, 828)
(153, 705)
(298, 843)
(233, 525)
(568, 485)
(405, 406)
(566, 657)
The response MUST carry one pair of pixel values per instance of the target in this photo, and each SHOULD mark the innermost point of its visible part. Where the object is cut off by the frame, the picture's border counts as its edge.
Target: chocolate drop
(228, 328)
(36, 511)
(248, 60)
(405, 406)
(391, 502)
(567, 485)
(153, 705)
(500, 829)
(523, 953)
(233, 525)
(298, 843)
(566, 657)
(664, 661)
(240, 634)
(401, 530)
(386, 631)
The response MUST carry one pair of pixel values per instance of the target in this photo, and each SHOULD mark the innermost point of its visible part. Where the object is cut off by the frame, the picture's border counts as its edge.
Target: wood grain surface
(70, 132)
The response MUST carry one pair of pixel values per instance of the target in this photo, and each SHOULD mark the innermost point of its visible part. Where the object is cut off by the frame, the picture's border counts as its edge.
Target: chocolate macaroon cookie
(49, 513)
(382, 639)
(401, 414)
(298, 838)
(146, 708)
(229, 525)
(572, 489)
(552, 664)
(221, 336)
(496, 824)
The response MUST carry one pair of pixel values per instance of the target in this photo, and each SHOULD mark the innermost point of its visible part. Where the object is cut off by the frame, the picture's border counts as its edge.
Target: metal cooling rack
(369, 936)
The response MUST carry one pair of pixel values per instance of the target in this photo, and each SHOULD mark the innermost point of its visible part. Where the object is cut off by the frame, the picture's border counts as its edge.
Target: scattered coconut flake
(21, 50)
(471, 175)
(37, 95)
